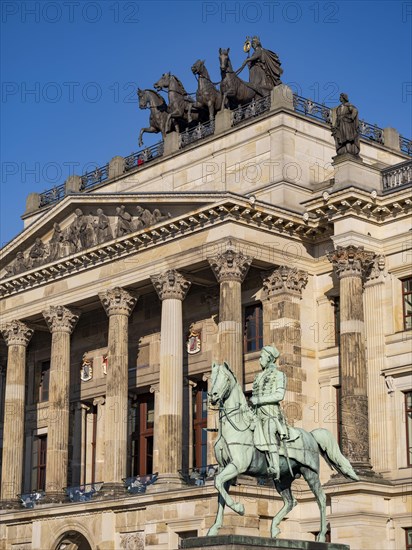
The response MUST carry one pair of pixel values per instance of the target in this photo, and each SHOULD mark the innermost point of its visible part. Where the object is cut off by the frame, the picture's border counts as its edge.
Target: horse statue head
(222, 383)
(198, 67)
(224, 60)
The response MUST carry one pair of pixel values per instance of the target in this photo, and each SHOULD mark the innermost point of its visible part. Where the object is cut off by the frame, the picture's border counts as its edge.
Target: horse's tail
(330, 451)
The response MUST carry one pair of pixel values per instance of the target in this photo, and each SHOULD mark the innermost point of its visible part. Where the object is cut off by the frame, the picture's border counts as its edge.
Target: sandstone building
(128, 282)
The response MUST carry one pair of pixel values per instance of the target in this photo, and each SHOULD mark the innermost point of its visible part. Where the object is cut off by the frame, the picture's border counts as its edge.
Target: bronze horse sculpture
(237, 454)
(149, 99)
(180, 103)
(235, 91)
(206, 95)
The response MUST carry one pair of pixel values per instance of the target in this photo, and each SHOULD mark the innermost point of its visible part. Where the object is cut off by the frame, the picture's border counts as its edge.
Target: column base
(238, 542)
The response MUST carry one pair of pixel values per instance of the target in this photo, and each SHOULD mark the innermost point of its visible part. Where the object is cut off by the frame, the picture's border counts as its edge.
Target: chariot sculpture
(183, 112)
(257, 442)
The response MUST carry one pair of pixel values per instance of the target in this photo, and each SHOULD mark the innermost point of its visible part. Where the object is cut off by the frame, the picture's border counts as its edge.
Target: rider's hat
(273, 352)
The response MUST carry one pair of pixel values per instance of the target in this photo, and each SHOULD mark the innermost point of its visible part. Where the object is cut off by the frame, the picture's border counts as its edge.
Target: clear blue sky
(70, 70)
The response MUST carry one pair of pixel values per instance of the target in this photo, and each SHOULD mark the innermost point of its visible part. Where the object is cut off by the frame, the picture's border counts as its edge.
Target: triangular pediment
(83, 231)
(81, 222)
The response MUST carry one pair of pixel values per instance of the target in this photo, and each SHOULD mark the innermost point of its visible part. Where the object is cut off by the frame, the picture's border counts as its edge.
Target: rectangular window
(253, 328)
(43, 389)
(407, 303)
(408, 533)
(408, 423)
(199, 423)
(39, 463)
(141, 426)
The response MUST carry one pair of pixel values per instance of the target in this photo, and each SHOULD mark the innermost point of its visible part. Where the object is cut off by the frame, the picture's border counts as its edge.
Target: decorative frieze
(117, 301)
(171, 284)
(285, 279)
(351, 261)
(61, 318)
(230, 265)
(16, 333)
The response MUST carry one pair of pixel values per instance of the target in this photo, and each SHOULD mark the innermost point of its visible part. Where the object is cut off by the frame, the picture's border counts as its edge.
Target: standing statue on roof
(346, 128)
(264, 67)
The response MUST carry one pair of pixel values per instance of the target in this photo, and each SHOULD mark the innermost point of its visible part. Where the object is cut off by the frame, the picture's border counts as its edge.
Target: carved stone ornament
(171, 284)
(132, 541)
(351, 261)
(61, 318)
(16, 333)
(117, 301)
(105, 362)
(194, 342)
(378, 269)
(86, 370)
(230, 265)
(285, 279)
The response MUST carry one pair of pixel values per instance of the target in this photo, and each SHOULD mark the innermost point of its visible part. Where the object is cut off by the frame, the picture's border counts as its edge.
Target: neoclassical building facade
(127, 283)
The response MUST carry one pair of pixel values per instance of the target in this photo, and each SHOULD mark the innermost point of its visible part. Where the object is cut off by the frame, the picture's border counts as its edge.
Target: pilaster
(281, 298)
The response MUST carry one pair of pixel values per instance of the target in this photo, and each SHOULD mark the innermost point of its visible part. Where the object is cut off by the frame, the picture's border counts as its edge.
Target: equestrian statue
(258, 442)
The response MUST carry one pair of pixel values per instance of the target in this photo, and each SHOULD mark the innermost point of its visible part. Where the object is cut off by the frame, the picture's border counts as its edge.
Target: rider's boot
(273, 468)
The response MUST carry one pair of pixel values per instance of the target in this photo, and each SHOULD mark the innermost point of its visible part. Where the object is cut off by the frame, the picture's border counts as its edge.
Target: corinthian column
(17, 336)
(171, 288)
(118, 304)
(230, 269)
(351, 264)
(61, 322)
(281, 297)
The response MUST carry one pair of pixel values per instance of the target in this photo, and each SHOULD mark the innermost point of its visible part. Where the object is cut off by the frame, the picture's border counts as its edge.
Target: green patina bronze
(258, 442)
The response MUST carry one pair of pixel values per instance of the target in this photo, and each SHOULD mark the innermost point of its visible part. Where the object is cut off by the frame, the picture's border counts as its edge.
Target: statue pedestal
(240, 542)
(350, 171)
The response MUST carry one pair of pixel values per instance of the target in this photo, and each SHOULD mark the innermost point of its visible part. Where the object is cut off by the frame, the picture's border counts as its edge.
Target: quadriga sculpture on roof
(182, 112)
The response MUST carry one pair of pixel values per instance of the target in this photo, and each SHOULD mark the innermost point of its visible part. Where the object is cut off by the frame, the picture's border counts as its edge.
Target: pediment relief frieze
(76, 239)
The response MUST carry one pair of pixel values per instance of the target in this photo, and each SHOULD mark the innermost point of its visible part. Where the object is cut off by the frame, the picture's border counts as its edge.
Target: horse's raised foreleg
(150, 130)
(227, 474)
(283, 487)
(313, 481)
(219, 516)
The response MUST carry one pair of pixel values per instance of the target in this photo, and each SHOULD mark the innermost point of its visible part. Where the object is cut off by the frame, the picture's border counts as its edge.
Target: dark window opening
(253, 328)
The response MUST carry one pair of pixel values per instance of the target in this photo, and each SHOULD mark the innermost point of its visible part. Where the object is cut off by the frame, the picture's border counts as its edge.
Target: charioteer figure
(264, 67)
(268, 391)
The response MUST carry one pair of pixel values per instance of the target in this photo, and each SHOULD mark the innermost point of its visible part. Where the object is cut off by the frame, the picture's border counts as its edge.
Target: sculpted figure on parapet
(85, 231)
(346, 128)
(264, 66)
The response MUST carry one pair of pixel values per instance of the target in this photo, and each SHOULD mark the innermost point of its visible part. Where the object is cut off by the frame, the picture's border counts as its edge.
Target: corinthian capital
(16, 333)
(117, 301)
(285, 279)
(351, 261)
(171, 284)
(61, 318)
(230, 265)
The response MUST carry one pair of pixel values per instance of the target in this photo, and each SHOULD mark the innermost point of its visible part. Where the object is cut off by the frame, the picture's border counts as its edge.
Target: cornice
(328, 207)
(230, 208)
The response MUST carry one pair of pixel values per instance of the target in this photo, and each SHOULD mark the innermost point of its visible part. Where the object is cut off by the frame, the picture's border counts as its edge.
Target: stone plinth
(237, 542)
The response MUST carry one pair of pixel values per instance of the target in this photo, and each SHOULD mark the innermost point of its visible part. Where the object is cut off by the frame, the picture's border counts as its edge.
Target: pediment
(83, 222)
(48, 252)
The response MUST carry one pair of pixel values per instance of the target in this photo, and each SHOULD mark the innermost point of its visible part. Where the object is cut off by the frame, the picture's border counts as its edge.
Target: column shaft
(118, 304)
(17, 337)
(351, 264)
(171, 287)
(230, 335)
